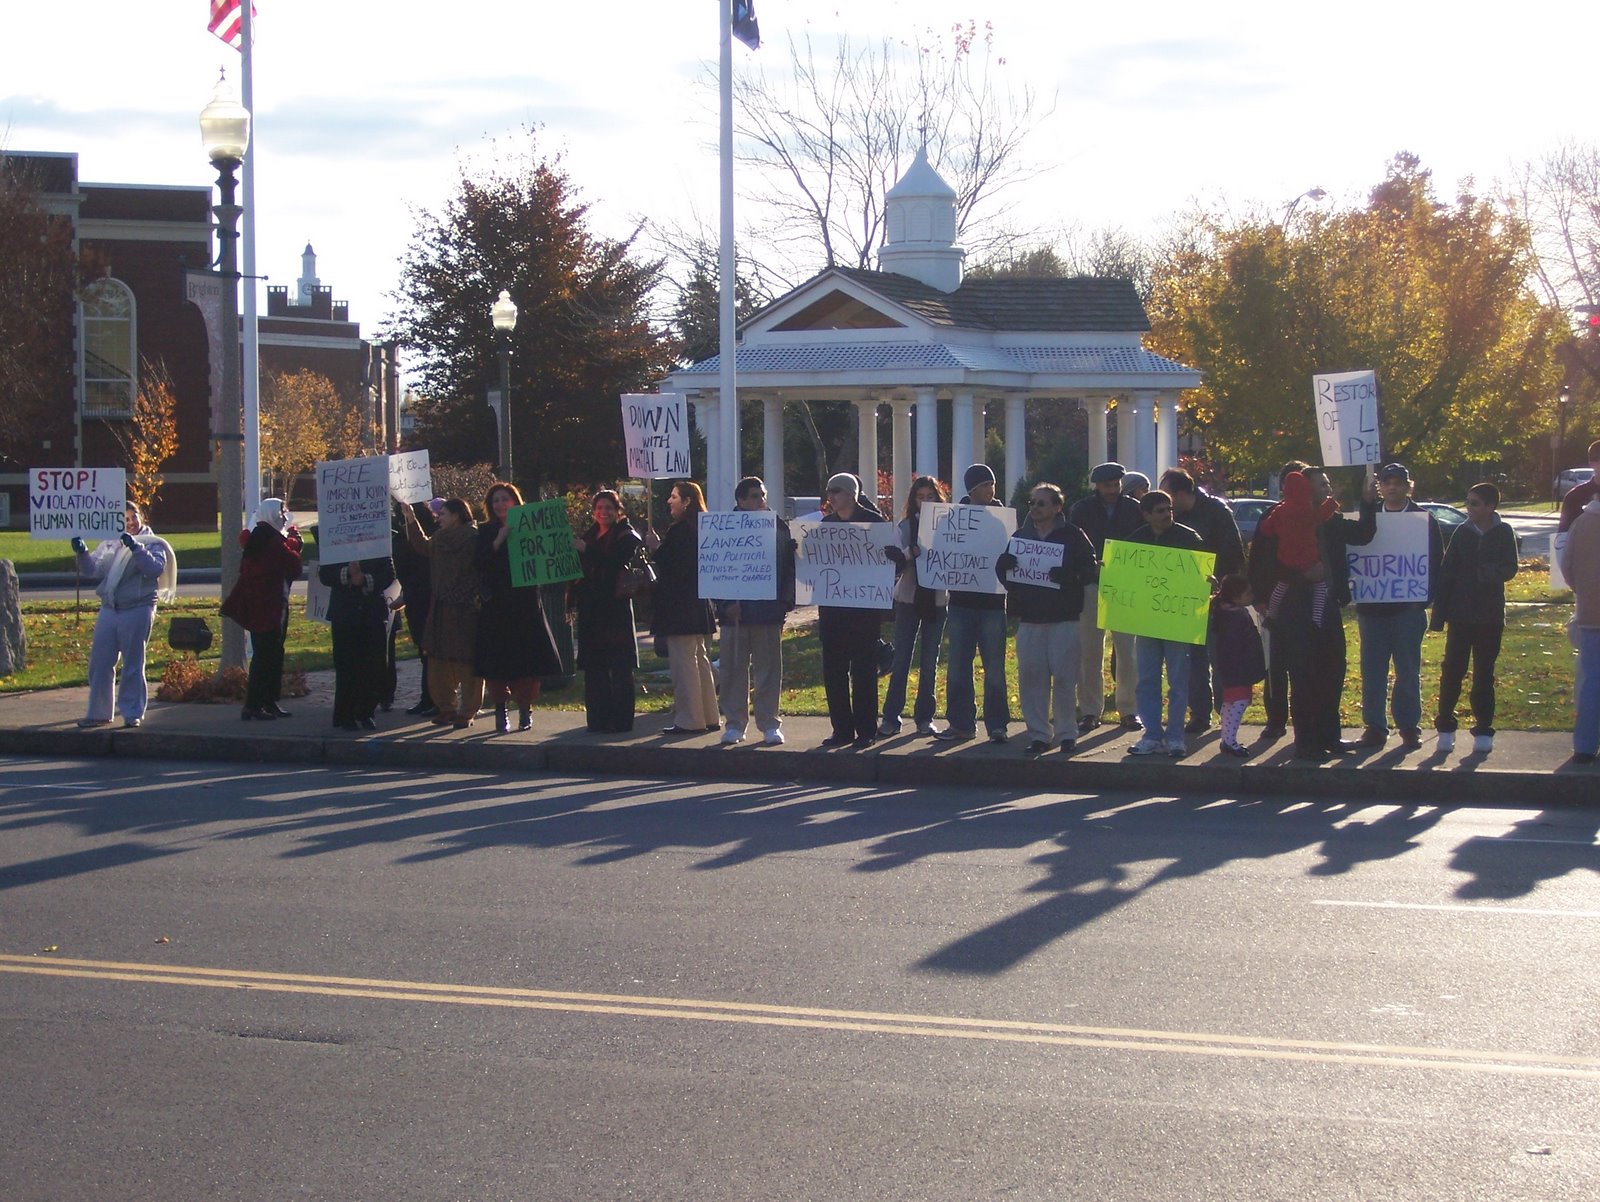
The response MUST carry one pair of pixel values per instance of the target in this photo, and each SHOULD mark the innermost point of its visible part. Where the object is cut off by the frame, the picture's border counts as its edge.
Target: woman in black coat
(679, 616)
(607, 651)
(358, 613)
(515, 647)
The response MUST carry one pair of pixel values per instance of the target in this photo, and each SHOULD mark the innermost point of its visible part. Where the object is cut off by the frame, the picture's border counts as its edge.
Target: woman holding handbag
(601, 602)
(259, 601)
(678, 615)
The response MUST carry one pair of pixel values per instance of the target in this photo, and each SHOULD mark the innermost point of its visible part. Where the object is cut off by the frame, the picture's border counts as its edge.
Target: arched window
(110, 339)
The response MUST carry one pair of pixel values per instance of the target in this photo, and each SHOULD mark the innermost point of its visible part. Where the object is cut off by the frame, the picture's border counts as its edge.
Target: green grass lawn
(1535, 671)
(197, 549)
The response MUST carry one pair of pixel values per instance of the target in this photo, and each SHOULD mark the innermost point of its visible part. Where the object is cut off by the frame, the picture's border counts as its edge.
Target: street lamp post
(1562, 399)
(225, 134)
(504, 315)
(1308, 194)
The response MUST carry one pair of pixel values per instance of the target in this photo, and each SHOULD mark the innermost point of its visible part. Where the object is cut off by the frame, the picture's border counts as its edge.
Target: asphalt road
(273, 983)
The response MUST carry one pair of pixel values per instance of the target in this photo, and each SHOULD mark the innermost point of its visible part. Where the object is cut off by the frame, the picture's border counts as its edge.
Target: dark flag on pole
(745, 27)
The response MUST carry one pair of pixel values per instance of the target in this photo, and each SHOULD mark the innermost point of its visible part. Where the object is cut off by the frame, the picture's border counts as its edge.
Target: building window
(110, 333)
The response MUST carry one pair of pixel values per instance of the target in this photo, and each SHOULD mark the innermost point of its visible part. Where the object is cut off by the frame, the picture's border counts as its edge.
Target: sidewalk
(1527, 769)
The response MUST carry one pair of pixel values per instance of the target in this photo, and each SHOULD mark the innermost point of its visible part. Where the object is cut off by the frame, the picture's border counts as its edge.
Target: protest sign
(540, 544)
(76, 502)
(1347, 418)
(843, 564)
(410, 476)
(739, 555)
(1558, 580)
(1393, 567)
(655, 428)
(1034, 561)
(1155, 591)
(353, 509)
(960, 544)
(317, 595)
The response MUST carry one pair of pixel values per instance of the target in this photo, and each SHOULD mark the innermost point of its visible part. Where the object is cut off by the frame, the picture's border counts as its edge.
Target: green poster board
(540, 544)
(1159, 592)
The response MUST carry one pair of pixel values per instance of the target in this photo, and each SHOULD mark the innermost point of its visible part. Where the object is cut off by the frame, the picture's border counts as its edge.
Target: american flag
(227, 21)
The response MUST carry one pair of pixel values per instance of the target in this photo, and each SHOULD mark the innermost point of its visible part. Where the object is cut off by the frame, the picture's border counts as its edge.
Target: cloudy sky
(364, 110)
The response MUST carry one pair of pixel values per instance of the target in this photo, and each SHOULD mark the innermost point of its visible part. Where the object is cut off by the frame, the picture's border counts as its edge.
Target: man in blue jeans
(1391, 632)
(976, 623)
(1155, 655)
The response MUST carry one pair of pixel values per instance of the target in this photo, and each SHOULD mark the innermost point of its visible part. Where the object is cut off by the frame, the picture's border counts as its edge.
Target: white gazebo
(914, 335)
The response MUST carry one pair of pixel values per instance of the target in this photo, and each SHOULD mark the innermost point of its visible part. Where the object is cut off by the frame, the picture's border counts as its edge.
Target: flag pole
(251, 357)
(728, 380)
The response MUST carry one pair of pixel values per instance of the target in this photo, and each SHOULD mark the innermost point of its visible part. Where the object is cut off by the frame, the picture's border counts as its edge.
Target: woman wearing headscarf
(134, 572)
(260, 603)
(358, 613)
(514, 647)
(919, 615)
(608, 651)
(452, 632)
(678, 615)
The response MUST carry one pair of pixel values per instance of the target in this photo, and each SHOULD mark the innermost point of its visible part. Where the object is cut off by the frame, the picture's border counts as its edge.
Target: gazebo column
(900, 426)
(1125, 448)
(1166, 431)
(927, 432)
(708, 415)
(1144, 435)
(772, 463)
(980, 442)
(1095, 408)
(867, 446)
(960, 435)
(1016, 445)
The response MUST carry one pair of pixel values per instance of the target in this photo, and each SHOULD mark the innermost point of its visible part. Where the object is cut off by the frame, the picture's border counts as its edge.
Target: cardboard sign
(540, 544)
(843, 564)
(317, 595)
(960, 544)
(410, 476)
(76, 502)
(738, 555)
(1034, 561)
(1393, 567)
(353, 509)
(1347, 418)
(1154, 591)
(655, 428)
(1558, 580)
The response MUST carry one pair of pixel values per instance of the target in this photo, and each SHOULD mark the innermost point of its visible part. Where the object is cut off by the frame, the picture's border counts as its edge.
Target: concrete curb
(1156, 776)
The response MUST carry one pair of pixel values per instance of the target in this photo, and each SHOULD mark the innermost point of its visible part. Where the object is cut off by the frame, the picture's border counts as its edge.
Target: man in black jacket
(1107, 513)
(976, 624)
(850, 638)
(1213, 521)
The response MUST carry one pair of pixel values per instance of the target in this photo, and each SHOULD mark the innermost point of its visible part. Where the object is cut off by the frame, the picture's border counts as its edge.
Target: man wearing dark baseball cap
(1105, 513)
(1391, 631)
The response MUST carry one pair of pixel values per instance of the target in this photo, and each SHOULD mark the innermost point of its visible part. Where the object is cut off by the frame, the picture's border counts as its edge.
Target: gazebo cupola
(921, 237)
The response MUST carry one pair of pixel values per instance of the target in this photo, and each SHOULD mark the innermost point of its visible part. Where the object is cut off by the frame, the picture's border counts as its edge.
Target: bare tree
(1558, 200)
(831, 137)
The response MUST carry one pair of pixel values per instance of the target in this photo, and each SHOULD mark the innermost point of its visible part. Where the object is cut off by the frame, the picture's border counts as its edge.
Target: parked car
(1570, 478)
(1247, 512)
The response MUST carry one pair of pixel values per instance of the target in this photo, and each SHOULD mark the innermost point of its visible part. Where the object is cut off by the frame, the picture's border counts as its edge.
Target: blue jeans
(980, 632)
(1586, 726)
(1152, 655)
(909, 630)
(1393, 637)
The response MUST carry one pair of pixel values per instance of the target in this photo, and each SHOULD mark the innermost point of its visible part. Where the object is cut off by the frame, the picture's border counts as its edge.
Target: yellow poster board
(1159, 592)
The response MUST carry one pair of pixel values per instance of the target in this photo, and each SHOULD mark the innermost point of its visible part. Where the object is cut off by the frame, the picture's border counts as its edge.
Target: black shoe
(1197, 726)
(276, 710)
(1272, 732)
(1085, 725)
(1128, 722)
(1373, 737)
(999, 736)
(863, 742)
(1037, 747)
(354, 726)
(367, 723)
(1410, 737)
(1343, 748)
(952, 735)
(1315, 754)
(838, 741)
(254, 715)
(525, 720)
(1068, 746)
(423, 709)
(1236, 751)
(502, 724)
(1582, 757)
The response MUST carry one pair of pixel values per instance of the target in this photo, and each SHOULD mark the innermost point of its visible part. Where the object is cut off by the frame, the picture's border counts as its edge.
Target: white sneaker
(1447, 741)
(774, 738)
(1483, 744)
(1146, 747)
(731, 736)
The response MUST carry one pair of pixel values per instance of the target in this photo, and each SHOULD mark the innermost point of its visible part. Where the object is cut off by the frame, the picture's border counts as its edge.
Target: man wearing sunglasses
(1152, 655)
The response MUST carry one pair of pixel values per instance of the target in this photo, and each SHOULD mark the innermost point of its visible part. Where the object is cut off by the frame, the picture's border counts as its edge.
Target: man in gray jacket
(132, 572)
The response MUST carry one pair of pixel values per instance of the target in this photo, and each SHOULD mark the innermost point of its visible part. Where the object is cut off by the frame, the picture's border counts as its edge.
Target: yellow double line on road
(939, 1026)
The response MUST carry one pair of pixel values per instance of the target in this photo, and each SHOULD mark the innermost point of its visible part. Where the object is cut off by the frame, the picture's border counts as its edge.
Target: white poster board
(76, 502)
(843, 564)
(1347, 418)
(738, 555)
(1558, 580)
(353, 509)
(1034, 561)
(410, 476)
(1393, 567)
(317, 595)
(960, 544)
(655, 429)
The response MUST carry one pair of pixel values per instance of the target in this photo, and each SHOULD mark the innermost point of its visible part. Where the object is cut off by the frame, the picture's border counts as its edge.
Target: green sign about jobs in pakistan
(540, 544)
